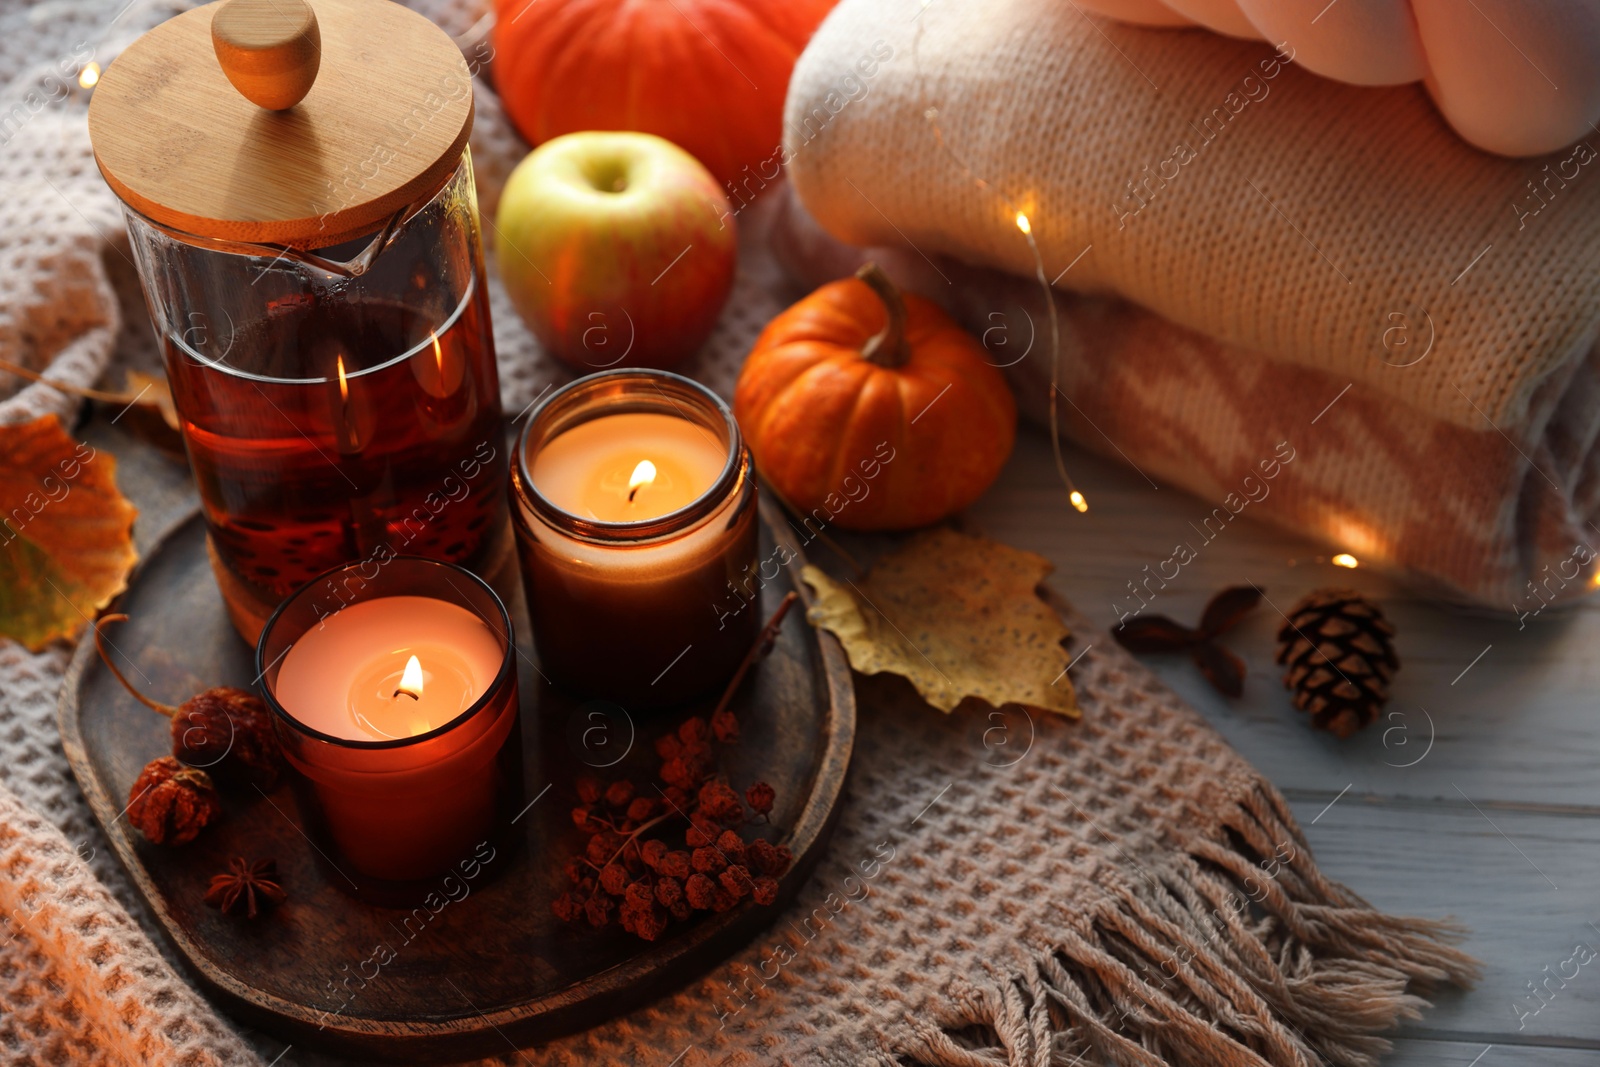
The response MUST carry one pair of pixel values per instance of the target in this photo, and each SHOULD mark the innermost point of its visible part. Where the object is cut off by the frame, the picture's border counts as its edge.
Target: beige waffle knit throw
(1213, 182)
(1124, 889)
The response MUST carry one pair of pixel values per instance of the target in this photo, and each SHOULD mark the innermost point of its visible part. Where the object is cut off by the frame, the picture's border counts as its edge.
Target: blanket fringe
(1231, 953)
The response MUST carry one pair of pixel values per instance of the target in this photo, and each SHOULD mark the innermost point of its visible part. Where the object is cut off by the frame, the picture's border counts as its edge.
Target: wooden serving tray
(493, 965)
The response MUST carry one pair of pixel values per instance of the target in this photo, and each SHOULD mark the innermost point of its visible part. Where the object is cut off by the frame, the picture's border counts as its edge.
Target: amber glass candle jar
(394, 693)
(635, 514)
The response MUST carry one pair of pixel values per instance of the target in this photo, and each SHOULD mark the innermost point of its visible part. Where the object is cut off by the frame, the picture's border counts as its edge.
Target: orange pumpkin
(871, 410)
(708, 75)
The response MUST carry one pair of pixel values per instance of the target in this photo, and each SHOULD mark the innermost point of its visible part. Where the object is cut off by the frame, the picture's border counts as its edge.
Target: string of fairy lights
(1024, 225)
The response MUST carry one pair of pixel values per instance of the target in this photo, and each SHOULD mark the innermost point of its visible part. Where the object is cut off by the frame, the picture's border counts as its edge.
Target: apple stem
(888, 347)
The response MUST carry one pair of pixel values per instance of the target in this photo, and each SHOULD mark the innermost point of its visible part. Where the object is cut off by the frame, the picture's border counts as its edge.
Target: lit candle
(636, 523)
(384, 669)
(629, 467)
(396, 703)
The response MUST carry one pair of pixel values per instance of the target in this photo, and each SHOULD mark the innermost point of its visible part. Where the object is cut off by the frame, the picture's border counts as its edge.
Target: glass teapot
(301, 207)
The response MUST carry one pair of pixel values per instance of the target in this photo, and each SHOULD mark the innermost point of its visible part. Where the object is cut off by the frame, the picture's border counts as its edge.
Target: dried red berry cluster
(643, 883)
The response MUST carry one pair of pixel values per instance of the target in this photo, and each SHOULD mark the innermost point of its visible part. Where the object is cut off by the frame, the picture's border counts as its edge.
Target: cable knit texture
(1462, 514)
(1229, 191)
(1333, 268)
(1524, 89)
(1127, 889)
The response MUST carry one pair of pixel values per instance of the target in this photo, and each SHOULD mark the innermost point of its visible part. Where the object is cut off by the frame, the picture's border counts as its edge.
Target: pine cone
(1340, 653)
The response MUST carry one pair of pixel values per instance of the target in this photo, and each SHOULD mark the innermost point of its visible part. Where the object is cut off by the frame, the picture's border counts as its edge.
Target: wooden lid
(382, 126)
(270, 50)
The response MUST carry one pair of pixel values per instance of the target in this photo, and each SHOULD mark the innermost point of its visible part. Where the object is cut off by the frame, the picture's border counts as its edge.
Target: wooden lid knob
(269, 49)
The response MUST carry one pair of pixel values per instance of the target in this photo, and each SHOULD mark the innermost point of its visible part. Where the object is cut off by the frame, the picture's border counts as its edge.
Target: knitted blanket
(1462, 514)
(1294, 237)
(1127, 890)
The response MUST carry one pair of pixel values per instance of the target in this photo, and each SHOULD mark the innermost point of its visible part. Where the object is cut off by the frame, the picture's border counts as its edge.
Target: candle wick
(407, 692)
(633, 493)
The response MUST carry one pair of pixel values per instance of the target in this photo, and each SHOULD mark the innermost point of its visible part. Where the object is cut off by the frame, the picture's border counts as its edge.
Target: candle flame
(643, 475)
(1079, 502)
(1345, 559)
(438, 354)
(89, 77)
(411, 680)
(1023, 224)
(344, 386)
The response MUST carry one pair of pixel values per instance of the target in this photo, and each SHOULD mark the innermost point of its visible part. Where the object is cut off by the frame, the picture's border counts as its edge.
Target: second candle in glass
(635, 514)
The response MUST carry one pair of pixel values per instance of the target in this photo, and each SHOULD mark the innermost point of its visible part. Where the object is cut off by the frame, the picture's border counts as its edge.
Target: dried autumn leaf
(66, 541)
(957, 616)
(1227, 608)
(149, 413)
(152, 390)
(1221, 668)
(138, 390)
(1155, 633)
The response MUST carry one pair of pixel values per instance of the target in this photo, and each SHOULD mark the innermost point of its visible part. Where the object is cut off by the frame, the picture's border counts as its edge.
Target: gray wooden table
(1477, 794)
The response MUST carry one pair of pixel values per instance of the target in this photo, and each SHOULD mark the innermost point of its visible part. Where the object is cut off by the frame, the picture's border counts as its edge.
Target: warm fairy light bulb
(344, 386)
(1345, 559)
(411, 680)
(1026, 227)
(643, 475)
(1079, 502)
(89, 76)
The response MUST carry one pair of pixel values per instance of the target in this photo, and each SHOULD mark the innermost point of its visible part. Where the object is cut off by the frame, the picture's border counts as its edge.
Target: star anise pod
(1157, 633)
(223, 730)
(246, 888)
(170, 803)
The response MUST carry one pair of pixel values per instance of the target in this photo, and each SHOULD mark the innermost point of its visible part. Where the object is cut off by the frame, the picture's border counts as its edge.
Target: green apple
(617, 249)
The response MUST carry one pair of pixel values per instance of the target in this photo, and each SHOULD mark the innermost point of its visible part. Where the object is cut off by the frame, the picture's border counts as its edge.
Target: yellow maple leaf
(957, 616)
(66, 542)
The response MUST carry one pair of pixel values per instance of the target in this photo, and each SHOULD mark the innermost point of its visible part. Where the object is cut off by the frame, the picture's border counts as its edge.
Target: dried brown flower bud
(736, 880)
(614, 878)
(725, 726)
(170, 803)
(224, 730)
(228, 732)
(760, 797)
(675, 864)
(619, 793)
(700, 891)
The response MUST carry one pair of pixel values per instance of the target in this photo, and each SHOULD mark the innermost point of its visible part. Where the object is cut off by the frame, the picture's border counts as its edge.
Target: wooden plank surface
(1410, 1052)
(1496, 822)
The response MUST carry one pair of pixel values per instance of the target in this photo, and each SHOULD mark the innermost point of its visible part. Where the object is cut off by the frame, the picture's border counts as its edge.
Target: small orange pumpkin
(871, 410)
(708, 75)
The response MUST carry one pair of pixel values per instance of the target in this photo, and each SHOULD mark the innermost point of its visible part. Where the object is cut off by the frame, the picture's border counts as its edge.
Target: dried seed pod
(246, 888)
(225, 731)
(230, 733)
(170, 803)
(760, 797)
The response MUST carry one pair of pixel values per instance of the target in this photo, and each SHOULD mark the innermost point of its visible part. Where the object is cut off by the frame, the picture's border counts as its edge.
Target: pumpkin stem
(888, 347)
